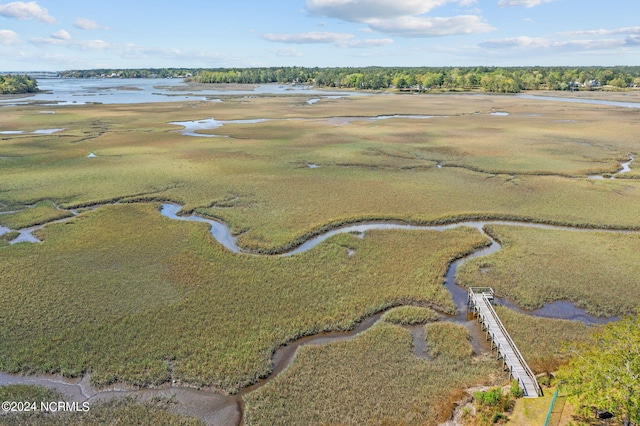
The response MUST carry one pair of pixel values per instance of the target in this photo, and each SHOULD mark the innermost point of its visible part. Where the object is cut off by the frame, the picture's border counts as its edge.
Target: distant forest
(489, 79)
(16, 84)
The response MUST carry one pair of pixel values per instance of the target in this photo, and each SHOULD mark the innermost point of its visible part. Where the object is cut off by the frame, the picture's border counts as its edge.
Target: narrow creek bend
(215, 408)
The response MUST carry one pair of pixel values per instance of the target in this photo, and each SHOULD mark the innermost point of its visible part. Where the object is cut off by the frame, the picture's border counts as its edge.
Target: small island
(17, 84)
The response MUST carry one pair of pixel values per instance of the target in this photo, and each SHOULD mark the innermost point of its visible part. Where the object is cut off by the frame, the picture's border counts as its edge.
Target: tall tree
(605, 373)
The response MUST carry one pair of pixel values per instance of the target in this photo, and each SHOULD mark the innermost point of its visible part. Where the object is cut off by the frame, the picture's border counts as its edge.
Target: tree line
(488, 79)
(16, 84)
(129, 73)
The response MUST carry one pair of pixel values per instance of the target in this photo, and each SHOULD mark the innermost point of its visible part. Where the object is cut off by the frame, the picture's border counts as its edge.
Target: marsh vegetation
(374, 378)
(597, 271)
(128, 296)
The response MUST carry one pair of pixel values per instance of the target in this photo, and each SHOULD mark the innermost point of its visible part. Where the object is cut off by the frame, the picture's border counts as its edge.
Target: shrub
(516, 391)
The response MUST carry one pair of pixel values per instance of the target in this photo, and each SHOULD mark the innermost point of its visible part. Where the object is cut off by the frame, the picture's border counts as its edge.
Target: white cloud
(370, 42)
(88, 24)
(40, 41)
(543, 43)
(24, 11)
(412, 26)
(404, 18)
(316, 37)
(625, 30)
(361, 10)
(290, 52)
(90, 45)
(74, 44)
(61, 35)
(305, 38)
(136, 51)
(589, 44)
(523, 41)
(525, 3)
(633, 40)
(8, 37)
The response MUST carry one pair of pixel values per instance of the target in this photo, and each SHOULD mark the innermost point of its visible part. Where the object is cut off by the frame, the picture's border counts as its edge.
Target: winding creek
(215, 408)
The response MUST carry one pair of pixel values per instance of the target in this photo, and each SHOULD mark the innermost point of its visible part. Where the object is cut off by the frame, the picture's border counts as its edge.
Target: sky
(56, 35)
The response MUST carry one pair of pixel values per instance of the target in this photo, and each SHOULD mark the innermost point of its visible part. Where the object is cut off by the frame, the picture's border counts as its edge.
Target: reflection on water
(579, 100)
(562, 309)
(624, 168)
(35, 132)
(191, 128)
(78, 91)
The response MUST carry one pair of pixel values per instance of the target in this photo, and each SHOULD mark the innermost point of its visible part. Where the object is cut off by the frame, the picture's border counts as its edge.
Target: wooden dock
(480, 303)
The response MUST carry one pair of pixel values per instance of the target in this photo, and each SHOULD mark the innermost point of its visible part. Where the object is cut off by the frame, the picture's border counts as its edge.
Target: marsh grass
(448, 340)
(6, 238)
(41, 212)
(544, 342)
(29, 393)
(128, 295)
(410, 315)
(370, 169)
(123, 411)
(597, 271)
(373, 379)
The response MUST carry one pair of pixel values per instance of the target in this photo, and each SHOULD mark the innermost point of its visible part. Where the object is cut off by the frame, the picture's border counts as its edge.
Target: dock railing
(487, 294)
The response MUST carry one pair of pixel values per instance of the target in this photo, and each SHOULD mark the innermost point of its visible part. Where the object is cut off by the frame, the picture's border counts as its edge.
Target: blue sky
(71, 34)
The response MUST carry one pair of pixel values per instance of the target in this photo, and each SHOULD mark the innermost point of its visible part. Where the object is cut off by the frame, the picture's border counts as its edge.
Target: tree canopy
(488, 79)
(15, 84)
(605, 373)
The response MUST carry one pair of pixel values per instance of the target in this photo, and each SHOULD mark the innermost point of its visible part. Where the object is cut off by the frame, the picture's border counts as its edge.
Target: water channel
(210, 405)
(79, 91)
(216, 408)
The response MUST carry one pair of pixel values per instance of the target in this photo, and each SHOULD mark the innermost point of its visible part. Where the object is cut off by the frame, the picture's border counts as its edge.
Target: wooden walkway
(480, 303)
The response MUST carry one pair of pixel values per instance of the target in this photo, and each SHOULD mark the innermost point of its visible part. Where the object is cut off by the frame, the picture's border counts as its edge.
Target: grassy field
(596, 271)
(369, 169)
(127, 295)
(131, 296)
(373, 379)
